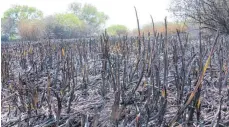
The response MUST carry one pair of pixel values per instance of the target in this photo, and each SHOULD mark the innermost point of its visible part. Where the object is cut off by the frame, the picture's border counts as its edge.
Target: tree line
(29, 23)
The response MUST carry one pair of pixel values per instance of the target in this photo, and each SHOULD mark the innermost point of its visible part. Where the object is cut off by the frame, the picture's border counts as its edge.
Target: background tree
(14, 15)
(93, 19)
(65, 25)
(117, 30)
(71, 24)
(210, 14)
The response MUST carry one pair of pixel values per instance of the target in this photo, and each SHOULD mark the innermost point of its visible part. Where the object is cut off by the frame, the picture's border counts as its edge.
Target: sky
(119, 11)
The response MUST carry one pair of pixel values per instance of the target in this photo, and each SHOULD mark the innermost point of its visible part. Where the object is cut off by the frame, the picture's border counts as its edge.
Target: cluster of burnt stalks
(141, 73)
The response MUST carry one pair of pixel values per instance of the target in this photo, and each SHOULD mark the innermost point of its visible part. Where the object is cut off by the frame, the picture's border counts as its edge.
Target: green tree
(18, 12)
(66, 25)
(89, 14)
(15, 14)
(117, 30)
(92, 16)
(69, 20)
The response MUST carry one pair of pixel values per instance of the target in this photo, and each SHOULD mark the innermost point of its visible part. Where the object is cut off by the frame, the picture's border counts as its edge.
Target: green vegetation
(92, 18)
(18, 12)
(65, 25)
(117, 30)
(68, 19)
(14, 15)
(24, 21)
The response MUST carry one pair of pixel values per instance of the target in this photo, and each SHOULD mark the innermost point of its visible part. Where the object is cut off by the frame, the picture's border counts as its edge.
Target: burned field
(154, 80)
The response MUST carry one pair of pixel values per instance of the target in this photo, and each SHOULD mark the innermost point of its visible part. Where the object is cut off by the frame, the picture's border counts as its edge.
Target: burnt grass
(116, 81)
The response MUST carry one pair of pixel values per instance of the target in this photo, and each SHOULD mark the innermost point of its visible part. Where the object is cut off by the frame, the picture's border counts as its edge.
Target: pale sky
(119, 11)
